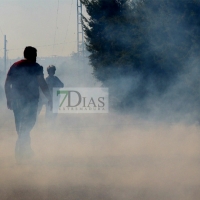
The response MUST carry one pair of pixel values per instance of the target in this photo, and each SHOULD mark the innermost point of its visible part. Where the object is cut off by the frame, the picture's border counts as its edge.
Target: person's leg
(25, 117)
(50, 118)
(40, 105)
(48, 112)
(18, 113)
(28, 122)
(29, 116)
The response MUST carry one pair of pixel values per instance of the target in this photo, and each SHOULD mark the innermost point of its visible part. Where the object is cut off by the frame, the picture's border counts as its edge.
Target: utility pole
(5, 52)
(80, 34)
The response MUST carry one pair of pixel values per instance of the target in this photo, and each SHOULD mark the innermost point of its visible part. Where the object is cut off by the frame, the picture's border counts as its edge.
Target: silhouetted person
(52, 82)
(22, 92)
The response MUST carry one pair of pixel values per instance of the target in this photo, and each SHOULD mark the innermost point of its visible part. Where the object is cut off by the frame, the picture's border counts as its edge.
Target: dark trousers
(25, 113)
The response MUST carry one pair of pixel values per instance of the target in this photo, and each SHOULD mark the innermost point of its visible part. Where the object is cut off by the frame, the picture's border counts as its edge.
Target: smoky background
(134, 153)
(101, 156)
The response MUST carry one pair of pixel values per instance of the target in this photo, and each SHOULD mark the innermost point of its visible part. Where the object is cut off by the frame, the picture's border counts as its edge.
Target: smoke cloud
(152, 66)
(148, 152)
(102, 156)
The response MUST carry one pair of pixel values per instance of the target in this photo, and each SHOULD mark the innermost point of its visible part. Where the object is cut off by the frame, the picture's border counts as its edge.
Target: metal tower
(5, 53)
(80, 34)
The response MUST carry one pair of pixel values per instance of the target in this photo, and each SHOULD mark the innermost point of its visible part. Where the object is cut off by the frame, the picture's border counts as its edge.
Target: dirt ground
(101, 157)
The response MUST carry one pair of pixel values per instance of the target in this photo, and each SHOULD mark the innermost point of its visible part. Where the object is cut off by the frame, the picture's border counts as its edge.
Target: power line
(56, 27)
(67, 27)
(46, 45)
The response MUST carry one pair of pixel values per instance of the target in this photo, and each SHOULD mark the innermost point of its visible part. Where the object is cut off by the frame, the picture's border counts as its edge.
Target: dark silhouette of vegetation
(148, 42)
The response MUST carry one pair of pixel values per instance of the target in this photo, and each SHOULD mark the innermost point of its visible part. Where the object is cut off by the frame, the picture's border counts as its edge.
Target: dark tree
(147, 42)
(105, 35)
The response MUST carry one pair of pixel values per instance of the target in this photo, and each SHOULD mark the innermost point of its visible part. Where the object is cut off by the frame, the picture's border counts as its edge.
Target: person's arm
(44, 87)
(8, 89)
(59, 82)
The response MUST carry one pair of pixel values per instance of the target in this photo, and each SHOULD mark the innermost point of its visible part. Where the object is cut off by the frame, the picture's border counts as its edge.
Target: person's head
(51, 69)
(30, 53)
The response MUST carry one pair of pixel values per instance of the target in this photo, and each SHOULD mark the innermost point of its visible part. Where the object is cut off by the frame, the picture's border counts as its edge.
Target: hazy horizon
(50, 26)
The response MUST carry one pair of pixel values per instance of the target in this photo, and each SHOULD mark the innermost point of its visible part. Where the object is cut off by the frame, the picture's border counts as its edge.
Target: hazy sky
(27, 22)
